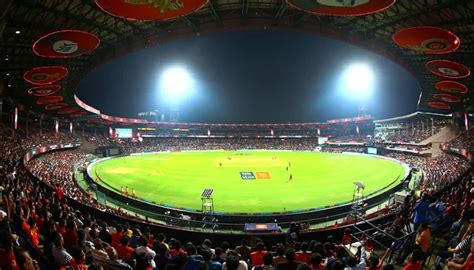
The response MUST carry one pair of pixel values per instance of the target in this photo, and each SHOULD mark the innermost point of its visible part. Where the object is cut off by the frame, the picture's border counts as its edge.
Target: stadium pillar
(14, 120)
(27, 123)
(466, 120)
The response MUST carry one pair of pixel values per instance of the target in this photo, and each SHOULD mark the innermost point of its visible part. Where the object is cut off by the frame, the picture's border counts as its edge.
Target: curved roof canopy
(32, 35)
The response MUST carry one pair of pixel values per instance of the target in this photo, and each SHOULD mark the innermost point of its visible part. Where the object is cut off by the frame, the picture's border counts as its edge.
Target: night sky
(250, 77)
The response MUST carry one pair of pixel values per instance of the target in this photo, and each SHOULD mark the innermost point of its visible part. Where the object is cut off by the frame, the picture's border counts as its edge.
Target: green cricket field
(248, 181)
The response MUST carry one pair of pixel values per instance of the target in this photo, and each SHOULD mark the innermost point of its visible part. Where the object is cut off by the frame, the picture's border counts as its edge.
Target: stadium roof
(27, 23)
(414, 117)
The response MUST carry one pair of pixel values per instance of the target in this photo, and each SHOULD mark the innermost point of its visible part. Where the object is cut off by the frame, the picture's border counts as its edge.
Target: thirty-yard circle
(248, 181)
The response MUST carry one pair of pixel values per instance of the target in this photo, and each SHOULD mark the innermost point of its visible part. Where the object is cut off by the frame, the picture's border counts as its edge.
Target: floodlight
(359, 80)
(175, 82)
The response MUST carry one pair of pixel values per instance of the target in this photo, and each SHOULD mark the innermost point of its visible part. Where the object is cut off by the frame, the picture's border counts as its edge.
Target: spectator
(290, 263)
(144, 249)
(280, 258)
(161, 237)
(303, 255)
(244, 250)
(124, 251)
(207, 244)
(176, 249)
(78, 258)
(7, 257)
(70, 235)
(117, 236)
(134, 239)
(218, 255)
(233, 262)
(317, 262)
(257, 256)
(468, 264)
(421, 211)
(25, 262)
(267, 263)
(422, 242)
(415, 260)
(193, 258)
(61, 257)
(211, 265)
(357, 262)
(162, 257)
(99, 255)
(104, 234)
(114, 263)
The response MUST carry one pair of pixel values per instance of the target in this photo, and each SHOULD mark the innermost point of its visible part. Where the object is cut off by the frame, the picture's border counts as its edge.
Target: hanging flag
(56, 126)
(70, 127)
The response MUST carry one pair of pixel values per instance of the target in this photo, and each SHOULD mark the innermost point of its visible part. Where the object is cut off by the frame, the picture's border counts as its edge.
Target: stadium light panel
(175, 82)
(359, 81)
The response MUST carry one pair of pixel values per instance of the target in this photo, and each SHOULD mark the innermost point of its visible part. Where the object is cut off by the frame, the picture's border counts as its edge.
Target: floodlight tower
(174, 112)
(175, 83)
(359, 82)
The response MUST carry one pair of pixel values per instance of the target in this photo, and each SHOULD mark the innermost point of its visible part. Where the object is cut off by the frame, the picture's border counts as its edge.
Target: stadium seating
(40, 224)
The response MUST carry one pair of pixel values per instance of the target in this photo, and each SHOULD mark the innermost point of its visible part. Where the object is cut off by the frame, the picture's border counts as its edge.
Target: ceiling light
(17, 32)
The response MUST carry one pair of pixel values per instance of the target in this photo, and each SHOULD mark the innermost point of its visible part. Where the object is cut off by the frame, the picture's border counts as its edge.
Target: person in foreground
(357, 262)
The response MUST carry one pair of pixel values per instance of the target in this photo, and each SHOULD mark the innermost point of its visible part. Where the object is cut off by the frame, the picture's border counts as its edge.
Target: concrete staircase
(446, 134)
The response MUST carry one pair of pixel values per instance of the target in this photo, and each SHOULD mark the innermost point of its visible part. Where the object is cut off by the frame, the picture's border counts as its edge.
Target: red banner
(150, 10)
(65, 44)
(427, 39)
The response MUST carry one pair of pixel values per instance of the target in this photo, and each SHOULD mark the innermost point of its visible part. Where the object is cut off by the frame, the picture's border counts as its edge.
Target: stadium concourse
(44, 223)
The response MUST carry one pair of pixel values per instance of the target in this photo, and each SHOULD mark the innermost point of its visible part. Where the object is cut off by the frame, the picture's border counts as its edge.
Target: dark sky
(250, 77)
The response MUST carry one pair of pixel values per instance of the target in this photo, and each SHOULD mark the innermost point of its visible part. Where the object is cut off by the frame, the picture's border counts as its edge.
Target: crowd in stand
(437, 171)
(464, 141)
(415, 132)
(38, 226)
(340, 149)
(56, 169)
(189, 144)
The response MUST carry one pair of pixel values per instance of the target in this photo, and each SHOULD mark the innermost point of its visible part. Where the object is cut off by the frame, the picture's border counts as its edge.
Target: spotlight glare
(359, 80)
(175, 82)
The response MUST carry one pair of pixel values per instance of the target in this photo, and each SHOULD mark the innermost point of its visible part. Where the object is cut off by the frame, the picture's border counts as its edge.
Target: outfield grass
(178, 179)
